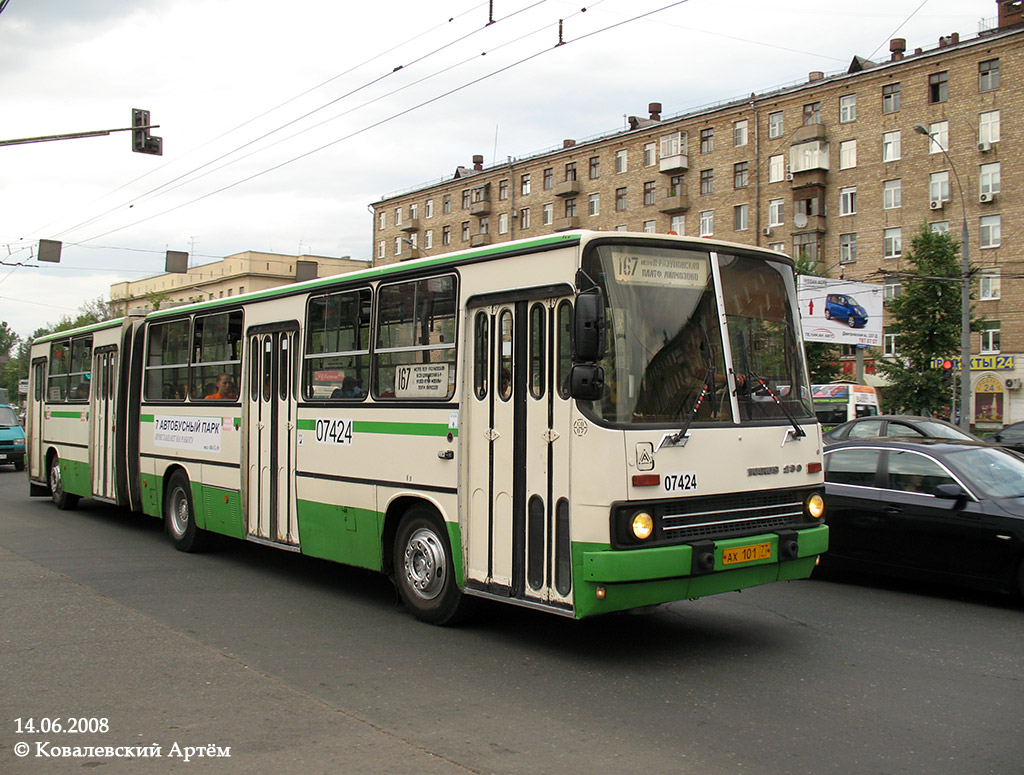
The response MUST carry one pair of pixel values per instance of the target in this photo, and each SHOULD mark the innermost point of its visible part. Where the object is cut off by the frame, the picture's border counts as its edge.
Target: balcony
(411, 225)
(479, 240)
(564, 224)
(811, 177)
(674, 203)
(804, 224)
(809, 132)
(480, 207)
(567, 188)
(679, 162)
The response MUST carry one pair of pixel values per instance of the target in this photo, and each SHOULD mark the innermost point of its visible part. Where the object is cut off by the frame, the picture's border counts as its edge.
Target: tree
(822, 358)
(9, 342)
(925, 319)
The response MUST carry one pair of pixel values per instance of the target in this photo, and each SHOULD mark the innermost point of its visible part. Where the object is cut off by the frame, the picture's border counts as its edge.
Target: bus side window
(563, 347)
(481, 353)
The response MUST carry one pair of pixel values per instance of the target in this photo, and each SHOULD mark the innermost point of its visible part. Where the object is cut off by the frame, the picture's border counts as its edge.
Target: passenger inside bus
(224, 388)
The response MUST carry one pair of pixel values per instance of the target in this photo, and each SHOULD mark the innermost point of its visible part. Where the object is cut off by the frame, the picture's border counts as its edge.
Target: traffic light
(142, 142)
(947, 373)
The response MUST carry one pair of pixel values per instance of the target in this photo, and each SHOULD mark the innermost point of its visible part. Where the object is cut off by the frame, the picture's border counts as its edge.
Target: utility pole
(142, 142)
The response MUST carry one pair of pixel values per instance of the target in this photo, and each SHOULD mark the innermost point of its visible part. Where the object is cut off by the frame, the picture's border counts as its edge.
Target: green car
(12, 438)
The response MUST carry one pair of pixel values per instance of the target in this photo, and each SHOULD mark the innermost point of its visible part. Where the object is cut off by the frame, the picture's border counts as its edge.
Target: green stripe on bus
(67, 415)
(146, 418)
(393, 428)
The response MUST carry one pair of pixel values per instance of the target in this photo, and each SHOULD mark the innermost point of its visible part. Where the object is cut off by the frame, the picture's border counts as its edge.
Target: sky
(282, 123)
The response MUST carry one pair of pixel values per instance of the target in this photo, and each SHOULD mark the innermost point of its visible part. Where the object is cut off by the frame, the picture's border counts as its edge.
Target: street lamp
(965, 290)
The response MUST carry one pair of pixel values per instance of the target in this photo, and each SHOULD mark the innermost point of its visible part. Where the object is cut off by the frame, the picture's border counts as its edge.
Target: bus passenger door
(103, 399)
(34, 422)
(271, 409)
(517, 454)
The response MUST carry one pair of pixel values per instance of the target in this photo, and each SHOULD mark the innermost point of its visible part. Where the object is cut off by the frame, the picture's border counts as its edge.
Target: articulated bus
(580, 423)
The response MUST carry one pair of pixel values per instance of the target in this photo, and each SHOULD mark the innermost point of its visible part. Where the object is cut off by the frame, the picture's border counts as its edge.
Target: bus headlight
(816, 505)
(642, 525)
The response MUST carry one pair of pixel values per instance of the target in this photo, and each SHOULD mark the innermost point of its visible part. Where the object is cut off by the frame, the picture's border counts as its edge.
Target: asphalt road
(290, 665)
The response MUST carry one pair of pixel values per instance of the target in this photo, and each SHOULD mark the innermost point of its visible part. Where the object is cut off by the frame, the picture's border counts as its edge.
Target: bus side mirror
(590, 325)
(586, 382)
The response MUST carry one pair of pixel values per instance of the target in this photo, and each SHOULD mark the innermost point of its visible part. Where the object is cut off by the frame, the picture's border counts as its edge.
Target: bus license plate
(747, 554)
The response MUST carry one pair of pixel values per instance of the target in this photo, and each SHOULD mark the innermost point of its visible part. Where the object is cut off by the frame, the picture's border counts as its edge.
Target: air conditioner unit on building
(935, 204)
(789, 176)
(766, 231)
(1013, 383)
(985, 147)
(986, 197)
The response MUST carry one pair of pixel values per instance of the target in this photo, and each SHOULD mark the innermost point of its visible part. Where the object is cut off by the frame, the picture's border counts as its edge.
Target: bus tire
(19, 464)
(180, 516)
(64, 500)
(424, 571)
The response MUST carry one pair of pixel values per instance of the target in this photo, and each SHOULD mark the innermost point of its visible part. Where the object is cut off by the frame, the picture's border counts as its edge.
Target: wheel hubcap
(179, 512)
(55, 483)
(425, 564)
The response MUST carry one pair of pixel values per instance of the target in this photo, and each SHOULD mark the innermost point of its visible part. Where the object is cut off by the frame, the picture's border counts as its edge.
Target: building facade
(842, 169)
(231, 276)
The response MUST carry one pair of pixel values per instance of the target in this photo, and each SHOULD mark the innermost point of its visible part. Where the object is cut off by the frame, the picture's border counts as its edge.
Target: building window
(549, 178)
(465, 199)
(398, 246)
(446, 204)
(675, 185)
(621, 161)
(807, 246)
(848, 200)
(428, 209)
(891, 289)
(620, 199)
(677, 225)
(524, 218)
(465, 231)
(650, 154)
(740, 174)
(778, 247)
(524, 184)
(988, 127)
(891, 146)
(428, 239)
(847, 248)
(812, 113)
(594, 204)
(484, 226)
(988, 75)
(570, 171)
(547, 216)
(650, 227)
(938, 134)
(847, 154)
(988, 284)
(891, 98)
(775, 125)
(381, 249)
(991, 333)
(707, 223)
(503, 190)
(382, 220)
(988, 179)
(621, 227)
(707, 140)
(776, 168)
(740, 217)
(570, 207)
(649, 192)
(594, 167)
(938, 187)
(889, 345)
(991, 231)
(892, 194)
(502, 224)
(740, 132)
(776, 212)
(847, 108)
(707, 181)
(398, 216)
(892, 242)
(940, 227)
(446, 235)
(414, 212)
(938, 87)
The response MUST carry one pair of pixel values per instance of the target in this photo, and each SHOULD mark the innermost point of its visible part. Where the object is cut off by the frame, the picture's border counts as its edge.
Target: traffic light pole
(73, 135)
(142, 142)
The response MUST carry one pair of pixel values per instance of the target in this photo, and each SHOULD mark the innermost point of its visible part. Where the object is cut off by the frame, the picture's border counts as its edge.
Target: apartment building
(842, 168)
(234, 275)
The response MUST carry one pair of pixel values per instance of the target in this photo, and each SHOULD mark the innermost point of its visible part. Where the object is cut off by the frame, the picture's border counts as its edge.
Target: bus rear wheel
(424, 571)
(180, 517)
(64, 500)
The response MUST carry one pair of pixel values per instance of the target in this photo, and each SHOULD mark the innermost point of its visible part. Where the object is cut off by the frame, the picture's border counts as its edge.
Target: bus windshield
(666, 338)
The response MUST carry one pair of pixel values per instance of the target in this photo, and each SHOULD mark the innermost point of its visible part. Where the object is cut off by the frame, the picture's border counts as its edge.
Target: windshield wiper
(709, 382)
(798, 432)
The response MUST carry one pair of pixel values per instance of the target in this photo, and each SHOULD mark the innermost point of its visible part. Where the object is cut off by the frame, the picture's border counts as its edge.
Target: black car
(904, 425)
(942, 510)
(1010, 436)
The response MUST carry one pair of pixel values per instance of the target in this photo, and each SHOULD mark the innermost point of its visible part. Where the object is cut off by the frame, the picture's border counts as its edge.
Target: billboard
(840, 311)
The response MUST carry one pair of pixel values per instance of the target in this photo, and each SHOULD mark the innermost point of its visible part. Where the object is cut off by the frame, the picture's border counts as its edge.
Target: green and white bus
(580, 423)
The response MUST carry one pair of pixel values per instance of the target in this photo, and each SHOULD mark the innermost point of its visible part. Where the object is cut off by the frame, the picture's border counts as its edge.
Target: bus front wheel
(180, 517)
(424, 571)
(61, 497)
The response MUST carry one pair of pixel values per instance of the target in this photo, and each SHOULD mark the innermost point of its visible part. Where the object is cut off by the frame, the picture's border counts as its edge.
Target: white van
(838, 402)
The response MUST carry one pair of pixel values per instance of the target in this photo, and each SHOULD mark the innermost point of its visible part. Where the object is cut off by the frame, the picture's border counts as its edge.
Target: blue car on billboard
(840, 306)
